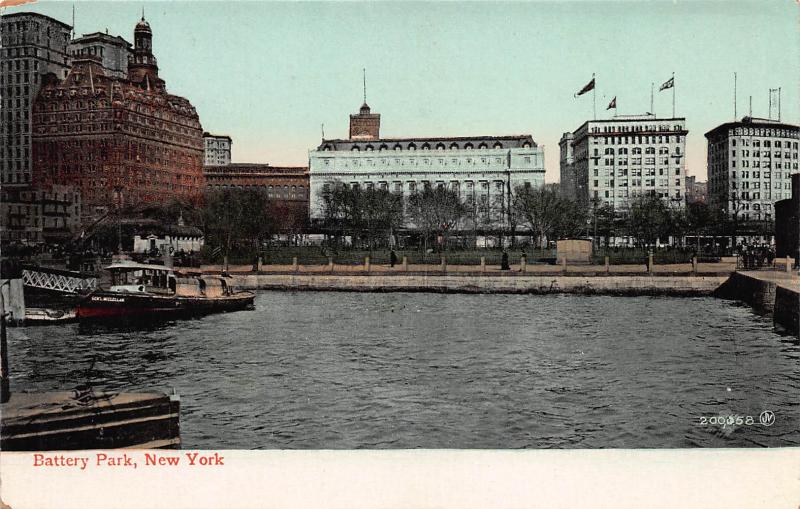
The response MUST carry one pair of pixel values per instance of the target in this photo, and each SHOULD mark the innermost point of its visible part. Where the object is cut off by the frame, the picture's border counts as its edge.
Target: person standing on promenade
(504, 262)
(392, 258)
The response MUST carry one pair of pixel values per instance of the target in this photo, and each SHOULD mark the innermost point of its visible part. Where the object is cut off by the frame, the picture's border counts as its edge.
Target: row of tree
(239, 221)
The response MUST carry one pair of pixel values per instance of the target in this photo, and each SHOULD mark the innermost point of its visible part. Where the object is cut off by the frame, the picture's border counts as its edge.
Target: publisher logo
(767, 418)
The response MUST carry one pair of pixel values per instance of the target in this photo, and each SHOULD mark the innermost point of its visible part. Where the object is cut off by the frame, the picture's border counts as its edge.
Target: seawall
(511, 283)
(769, 293)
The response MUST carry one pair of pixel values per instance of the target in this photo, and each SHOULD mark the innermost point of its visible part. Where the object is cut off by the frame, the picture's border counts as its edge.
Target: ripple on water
(359, 370)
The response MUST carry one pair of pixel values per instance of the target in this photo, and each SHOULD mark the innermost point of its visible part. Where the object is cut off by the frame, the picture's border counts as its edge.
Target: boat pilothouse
(143, 290)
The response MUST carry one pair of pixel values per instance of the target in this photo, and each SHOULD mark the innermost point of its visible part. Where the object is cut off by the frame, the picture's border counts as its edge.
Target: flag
(613, 103)
(589, 86)
(667, 84)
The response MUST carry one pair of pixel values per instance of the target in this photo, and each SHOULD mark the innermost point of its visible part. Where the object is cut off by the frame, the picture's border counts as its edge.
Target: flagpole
(673, 95)
(734, 97)
(652, 86)
(594, 98)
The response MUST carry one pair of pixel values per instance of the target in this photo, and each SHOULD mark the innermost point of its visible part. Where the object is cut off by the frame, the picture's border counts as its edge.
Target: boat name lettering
(108, 299)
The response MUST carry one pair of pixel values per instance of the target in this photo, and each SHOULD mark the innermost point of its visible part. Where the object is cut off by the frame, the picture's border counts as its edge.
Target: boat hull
(104, 305)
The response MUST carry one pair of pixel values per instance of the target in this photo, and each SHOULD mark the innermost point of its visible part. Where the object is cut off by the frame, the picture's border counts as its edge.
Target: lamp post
(118, 195)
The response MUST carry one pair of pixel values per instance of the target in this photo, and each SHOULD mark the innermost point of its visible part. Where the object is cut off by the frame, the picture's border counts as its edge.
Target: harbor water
(316, 370)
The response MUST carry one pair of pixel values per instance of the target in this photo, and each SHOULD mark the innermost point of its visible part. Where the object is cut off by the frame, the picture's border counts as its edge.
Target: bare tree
(436, 212)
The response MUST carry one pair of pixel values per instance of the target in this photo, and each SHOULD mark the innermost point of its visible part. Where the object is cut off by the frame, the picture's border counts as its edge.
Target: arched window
(355, 148)
(426, 146)
(398, 147)
(440, 146)
(468, 146)
(483, 145)
(637, 150)
(498, 145)
(384, 147)
(369, 148)
(526, 145)
(650, 150)
(411, 146)
(454, 146)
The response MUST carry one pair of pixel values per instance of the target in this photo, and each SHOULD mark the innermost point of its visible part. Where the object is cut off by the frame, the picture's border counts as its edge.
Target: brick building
(120, 141)
(286, 188)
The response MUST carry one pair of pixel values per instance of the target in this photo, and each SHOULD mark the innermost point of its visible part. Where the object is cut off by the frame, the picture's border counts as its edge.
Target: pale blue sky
(268, 74)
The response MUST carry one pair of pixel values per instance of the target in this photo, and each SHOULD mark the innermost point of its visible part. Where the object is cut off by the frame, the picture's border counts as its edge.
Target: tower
(142, 65)
(365, 125)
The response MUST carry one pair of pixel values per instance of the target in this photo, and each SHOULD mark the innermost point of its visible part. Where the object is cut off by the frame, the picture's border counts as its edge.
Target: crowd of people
(756, 256)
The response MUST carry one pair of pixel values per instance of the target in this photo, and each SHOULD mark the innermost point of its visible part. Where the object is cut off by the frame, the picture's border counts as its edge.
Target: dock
(43, 421)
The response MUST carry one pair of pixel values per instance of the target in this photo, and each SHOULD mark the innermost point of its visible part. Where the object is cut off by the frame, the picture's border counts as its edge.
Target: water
(358, 370)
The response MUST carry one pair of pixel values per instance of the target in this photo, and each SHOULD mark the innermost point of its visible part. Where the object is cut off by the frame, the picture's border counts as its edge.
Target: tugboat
(139, 290)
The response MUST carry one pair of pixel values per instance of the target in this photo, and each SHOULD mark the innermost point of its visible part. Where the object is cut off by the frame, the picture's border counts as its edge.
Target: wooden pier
(73, 420)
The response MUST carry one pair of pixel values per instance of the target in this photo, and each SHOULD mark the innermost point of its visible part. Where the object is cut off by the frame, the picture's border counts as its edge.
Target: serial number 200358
(728, 420)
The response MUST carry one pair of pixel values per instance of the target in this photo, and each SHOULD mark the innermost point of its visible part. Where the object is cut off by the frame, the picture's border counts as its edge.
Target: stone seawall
(531, 284)
(787, 310)
(767, 295)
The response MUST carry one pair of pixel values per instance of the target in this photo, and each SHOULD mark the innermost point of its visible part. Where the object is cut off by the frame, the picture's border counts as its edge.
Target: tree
(237, 220)
(547, 213)
(648, 219)
(352, 210)
(436, 211)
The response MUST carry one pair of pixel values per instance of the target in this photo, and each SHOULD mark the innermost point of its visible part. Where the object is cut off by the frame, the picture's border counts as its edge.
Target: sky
(270, 74)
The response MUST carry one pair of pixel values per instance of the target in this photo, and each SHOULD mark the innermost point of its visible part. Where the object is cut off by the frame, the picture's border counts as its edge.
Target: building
(750, 164)
(32, 45)
(567, 178)
(287, 188)
(696, 192)
(113, 50)
(217, 149)
(120, 141)
(787, 223)
(154, 237)
(479, 167)
(625, 157)
(35, 216)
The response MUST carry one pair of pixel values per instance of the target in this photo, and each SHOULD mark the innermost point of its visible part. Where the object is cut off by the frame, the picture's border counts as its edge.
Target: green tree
(237, 221)
(648, 219)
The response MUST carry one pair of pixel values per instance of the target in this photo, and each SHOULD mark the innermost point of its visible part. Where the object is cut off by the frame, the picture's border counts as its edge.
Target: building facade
(217, 149)
(120, 141)
(696, 192)
(113, 51)
(287, 188)
(34, 216)
(32, 45)
(616, 160)
(750, 164)
(787, 223)
(482, 168)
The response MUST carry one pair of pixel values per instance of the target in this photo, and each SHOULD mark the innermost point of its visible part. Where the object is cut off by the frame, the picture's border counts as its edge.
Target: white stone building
(112, 50)
(750, 164)
(481, 167)
(217, 149)
(625, 157)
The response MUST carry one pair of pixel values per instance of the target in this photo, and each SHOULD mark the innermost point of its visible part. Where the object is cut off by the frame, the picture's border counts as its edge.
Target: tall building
(479, 167)
(32, 45)
(217, 149)
(120, 141)
(567, 176)
(113, 50)
(627, 156)
(750, 164)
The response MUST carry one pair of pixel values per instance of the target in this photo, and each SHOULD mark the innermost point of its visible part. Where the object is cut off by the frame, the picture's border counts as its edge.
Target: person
(392, 258)
(504, 262)
(770, 256)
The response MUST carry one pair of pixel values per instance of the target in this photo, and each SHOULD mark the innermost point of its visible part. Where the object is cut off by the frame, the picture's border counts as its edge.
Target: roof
(35, 14)
(209, 135)
(128, 265)
(101, 36)
(510, 141)
(751, 122)
(254, 168)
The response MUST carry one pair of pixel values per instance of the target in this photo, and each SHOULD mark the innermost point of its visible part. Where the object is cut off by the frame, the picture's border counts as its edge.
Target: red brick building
(117, 140)
(286, 188)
